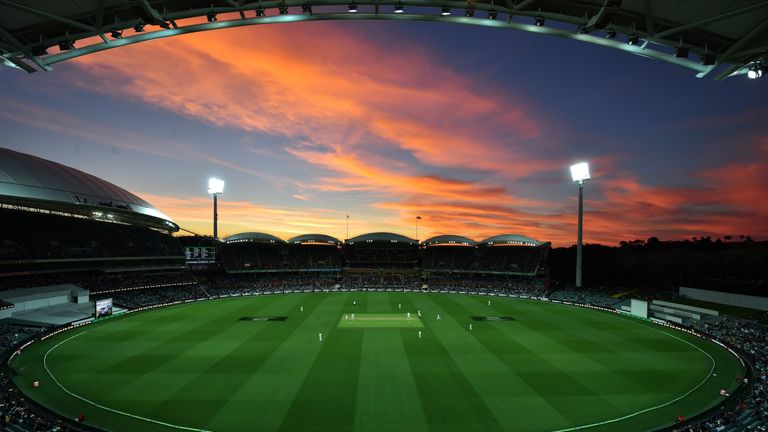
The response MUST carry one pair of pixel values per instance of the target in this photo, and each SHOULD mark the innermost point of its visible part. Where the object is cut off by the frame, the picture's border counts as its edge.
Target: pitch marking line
(712, 369)
(45, 365)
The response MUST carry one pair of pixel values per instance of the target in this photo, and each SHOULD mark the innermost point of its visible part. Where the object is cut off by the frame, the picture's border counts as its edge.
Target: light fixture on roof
(282, 8)
(306, 8)
(445, 11)
(399, 8)
(139, 28)
(469, 11)
(633, 39)
(708, 59)
(610, 33)
(211, 17)
(539, 21)
(681, 52)
(492, 15)
(117, 34)
(755, 71)
(259, 11)
(66, 45)
(352, 7)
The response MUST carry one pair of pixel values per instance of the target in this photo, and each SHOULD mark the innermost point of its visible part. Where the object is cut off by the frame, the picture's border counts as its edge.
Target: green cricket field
(225, 365)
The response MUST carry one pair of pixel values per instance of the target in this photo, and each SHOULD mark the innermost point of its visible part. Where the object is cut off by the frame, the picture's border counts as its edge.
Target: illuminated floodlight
(215, 186)
(399, 8)
(445, 11)
(755, 71)
(580, 172)
(353, 8)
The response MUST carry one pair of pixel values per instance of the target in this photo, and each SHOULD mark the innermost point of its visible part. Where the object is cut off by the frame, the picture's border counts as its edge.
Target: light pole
(215, 188)
(580, 173)
(418, 218)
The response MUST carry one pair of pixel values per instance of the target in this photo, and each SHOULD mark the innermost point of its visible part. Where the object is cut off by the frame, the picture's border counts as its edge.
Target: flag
(418, 217)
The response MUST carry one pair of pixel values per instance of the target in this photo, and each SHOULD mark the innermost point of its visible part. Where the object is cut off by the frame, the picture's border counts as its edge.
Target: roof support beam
(62, 20)
(524, 4)
(549, 31)
(648, 17)
(710, 20)
(100, 15)
(22, 49)
(757, 31)
(238, 7)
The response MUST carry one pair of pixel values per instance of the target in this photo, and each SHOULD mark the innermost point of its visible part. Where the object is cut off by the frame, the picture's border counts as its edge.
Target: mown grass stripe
(45, 365)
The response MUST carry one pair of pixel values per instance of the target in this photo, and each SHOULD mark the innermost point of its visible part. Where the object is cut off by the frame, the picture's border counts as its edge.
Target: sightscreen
(639, 308)
(103, 308)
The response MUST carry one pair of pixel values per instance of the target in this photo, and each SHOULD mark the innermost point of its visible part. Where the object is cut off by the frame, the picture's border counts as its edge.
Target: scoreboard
(200, 254)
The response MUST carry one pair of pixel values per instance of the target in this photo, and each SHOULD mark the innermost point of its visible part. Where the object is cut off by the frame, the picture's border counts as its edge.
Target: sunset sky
(473, 129)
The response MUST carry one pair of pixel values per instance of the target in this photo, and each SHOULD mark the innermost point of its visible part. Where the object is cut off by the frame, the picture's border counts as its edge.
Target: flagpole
(347, 228)
(417, 227)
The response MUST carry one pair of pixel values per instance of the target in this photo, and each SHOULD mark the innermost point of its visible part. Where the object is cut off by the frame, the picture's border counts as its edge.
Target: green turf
(554, 367)
(380, 320)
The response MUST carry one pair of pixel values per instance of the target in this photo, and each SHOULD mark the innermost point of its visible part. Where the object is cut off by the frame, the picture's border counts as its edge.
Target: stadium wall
(741, 300)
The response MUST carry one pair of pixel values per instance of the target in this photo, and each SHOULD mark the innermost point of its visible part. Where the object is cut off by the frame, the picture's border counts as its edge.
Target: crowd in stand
(515, 286)
(97, 283)
(751, 411)
(42, 236)
(138, 298)
(501, 259)
(267, 256)
(15, 409)
(256, 284)
(404, 281)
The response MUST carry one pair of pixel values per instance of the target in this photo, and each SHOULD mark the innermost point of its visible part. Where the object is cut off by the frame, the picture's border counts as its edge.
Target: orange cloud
(393, 128)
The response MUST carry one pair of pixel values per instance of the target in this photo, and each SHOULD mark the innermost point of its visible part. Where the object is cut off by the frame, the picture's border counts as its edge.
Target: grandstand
(57, 257)
(314, 253)
(253, 252)
(381, 250)
(507, 254)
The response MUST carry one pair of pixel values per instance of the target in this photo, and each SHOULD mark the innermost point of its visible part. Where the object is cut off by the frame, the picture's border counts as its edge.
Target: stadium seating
(35, 236)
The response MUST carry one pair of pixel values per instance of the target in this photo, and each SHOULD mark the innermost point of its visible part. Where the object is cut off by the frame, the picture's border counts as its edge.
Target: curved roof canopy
(314, 239)
(31, 181)
(253, 237)
(382, 237)
(510, 240)
(728, 37)
(448, 240)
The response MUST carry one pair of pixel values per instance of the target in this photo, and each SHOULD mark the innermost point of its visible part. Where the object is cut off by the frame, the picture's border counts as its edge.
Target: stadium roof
(314, 238)
(381, 237)
(30, 181)
(723, 36)
(445, 240)
(510, 239)
(254, 237)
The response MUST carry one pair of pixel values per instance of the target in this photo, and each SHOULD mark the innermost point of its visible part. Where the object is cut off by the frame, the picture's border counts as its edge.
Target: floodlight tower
(580, 173)
(215, 188)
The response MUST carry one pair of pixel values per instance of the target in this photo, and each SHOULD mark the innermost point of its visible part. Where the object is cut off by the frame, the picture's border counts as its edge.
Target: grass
(380, 320)
(554, 367)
